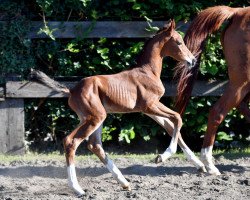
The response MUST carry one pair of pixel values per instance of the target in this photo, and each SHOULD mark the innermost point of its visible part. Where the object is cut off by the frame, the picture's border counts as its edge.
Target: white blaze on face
(72, 180)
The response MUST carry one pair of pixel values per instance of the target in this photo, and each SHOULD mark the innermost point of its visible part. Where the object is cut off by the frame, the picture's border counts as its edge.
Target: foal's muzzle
(191, 62)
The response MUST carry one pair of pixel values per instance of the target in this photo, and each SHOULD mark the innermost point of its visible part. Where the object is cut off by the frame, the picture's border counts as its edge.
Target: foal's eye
(178, 43)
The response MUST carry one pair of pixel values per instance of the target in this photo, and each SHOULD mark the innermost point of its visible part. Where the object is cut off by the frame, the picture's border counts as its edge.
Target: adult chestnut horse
(135, 90)
(236, 46)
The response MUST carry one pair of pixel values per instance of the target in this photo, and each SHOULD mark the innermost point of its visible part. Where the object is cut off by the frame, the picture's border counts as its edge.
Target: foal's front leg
(169, 127)
(158, 109)
(95, 146)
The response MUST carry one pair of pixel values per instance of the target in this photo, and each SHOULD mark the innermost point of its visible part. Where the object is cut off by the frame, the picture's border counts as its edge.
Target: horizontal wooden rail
(99, 29)
(18, 89)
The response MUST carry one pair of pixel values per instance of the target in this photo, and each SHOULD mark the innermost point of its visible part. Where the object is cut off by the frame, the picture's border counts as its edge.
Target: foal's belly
(120, 105)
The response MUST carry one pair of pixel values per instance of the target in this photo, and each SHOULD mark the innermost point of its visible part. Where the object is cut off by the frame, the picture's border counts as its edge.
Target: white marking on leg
(171, 149)
(191, 156)
(168, 125)
(72, 180)
(167, 154)
(207, 159)
(116, 173)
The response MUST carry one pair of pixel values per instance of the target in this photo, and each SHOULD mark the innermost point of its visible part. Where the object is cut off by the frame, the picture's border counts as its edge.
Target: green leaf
(136, 6)
(199, 104)
(106, 133)
(213, 70)
(150, 28)
(146, 137)
(200, 118)
(127, 134)
(46, 29)
(223, 136)
(71, 47)
(203, 128)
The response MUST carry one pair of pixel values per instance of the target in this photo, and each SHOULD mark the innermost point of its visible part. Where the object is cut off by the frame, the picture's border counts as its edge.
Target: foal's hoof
(202, 169)
(80, 196)
(214, 172)
(158, 159)
(128, 188)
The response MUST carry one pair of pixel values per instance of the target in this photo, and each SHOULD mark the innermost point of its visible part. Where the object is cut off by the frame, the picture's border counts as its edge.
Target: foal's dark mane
(140, 60)
(140, 57)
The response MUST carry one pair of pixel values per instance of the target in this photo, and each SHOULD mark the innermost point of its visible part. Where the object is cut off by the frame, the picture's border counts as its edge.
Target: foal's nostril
(194, 61)
(190, 63)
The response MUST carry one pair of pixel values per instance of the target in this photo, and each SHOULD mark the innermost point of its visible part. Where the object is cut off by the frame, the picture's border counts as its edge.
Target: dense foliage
(45, 119)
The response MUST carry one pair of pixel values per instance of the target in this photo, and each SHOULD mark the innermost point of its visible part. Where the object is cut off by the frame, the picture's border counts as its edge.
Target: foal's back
(128, 91)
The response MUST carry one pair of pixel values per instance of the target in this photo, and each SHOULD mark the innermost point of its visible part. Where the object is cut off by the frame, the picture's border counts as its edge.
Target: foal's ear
(173, 25)
(169, 25)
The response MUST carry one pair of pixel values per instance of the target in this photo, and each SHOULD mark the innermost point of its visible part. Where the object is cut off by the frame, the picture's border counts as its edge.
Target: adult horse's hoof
(202, 169)
(158, 159)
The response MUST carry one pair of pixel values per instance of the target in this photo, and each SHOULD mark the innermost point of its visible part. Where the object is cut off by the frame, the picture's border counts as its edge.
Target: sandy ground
(175, 179)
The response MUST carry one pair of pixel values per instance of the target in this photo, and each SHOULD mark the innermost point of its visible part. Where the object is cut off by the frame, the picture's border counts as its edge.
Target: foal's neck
(150, 59)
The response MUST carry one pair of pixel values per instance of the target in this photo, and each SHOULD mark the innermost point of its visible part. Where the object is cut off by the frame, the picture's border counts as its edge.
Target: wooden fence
(13, 93)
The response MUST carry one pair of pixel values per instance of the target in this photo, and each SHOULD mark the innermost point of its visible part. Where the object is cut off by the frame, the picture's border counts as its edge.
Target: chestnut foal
(134, 90)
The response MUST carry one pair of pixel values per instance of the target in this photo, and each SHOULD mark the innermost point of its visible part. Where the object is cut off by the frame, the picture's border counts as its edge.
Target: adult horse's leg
(169, 127)
(95, 146)
(231, 98)
(244, 107)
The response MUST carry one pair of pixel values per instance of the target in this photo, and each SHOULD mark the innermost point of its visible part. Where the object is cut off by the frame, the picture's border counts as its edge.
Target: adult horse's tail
(207, 21)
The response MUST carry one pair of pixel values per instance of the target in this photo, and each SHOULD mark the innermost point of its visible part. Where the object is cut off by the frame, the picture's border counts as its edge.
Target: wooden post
(12, 124)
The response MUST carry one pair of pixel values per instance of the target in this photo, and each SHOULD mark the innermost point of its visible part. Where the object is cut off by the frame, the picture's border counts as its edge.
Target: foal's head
(174, 45)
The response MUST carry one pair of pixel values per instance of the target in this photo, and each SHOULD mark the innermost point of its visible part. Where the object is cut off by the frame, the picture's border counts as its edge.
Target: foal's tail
(207, 22)
(44, 79)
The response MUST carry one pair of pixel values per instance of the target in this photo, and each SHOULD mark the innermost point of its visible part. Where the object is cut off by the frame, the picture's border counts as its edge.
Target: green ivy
(15, 48)
(212, 62)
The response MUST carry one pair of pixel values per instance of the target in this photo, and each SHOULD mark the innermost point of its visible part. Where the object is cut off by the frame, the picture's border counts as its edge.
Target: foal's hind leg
(95, 145)
(72, 141)
(231, 98)
(169, 127)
